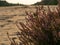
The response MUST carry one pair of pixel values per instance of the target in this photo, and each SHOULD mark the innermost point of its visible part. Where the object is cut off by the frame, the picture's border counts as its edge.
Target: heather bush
(41, 28)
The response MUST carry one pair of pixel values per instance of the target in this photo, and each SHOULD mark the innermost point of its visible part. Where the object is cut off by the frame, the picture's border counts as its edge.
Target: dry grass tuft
(41, 28)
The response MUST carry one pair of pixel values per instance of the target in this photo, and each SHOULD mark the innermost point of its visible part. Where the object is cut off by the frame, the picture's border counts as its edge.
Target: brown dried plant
(41, 28)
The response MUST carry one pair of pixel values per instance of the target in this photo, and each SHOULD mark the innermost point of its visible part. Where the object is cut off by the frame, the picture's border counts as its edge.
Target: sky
(27, 2)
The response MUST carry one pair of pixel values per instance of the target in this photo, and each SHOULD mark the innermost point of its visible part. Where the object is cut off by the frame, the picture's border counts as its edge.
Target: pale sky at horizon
(27, 2)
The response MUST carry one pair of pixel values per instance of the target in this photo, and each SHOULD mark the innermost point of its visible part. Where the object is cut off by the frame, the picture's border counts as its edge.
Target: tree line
(4, 3)
(47, 2)
(43, 2)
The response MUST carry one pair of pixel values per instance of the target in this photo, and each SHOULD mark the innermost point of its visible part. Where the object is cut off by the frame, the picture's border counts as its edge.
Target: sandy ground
(8, 17)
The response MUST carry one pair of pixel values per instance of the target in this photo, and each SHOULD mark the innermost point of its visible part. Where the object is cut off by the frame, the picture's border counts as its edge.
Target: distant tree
(51, 2)
(58, 2)
(4, 3)
(47, 2)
